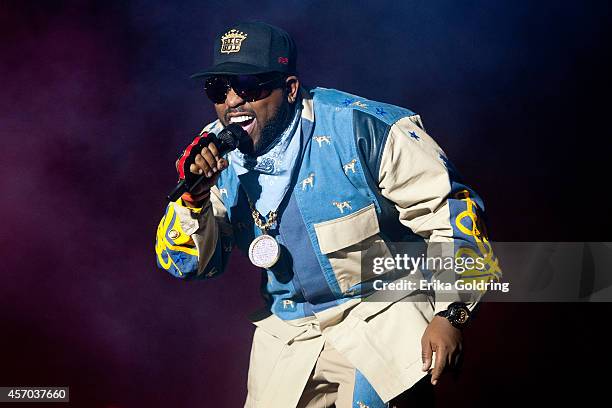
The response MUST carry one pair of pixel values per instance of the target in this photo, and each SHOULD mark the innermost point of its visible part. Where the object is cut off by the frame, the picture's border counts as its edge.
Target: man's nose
(232, 99)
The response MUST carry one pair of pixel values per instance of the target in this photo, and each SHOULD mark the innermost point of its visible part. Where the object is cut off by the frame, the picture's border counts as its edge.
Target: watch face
(458, 314)
(462, 316)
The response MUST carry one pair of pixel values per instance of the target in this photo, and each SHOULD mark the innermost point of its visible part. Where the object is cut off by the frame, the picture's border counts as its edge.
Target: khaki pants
(335, 382)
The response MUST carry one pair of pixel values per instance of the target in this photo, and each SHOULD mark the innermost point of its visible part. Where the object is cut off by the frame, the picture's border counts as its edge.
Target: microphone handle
(182, 188)
(177, 191)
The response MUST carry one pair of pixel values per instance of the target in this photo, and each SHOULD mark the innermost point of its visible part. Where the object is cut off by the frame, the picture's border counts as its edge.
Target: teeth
(240, 119)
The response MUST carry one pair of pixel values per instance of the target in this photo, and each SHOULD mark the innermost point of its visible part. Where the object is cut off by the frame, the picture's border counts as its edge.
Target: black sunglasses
(248, 87)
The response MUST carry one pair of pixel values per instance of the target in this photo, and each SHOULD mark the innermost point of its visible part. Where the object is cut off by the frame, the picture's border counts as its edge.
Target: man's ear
(292, 84)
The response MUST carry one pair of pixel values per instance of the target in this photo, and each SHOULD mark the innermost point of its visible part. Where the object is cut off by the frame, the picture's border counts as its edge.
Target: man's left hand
(443, 338)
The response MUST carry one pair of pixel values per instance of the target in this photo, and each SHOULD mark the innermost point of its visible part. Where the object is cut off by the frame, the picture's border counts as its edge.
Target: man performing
(322, 178)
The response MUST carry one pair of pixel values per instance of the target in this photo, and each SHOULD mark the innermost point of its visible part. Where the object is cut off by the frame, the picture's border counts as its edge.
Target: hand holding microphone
(202, 161)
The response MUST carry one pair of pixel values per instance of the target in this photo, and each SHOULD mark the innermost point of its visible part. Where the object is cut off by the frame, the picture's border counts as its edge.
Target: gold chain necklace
(271, 218)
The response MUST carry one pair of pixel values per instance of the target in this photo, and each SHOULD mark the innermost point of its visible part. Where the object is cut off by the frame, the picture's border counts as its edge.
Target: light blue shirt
(266, 178)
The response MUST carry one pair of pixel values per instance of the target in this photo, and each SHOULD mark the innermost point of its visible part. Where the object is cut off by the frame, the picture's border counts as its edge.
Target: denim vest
(333, 203)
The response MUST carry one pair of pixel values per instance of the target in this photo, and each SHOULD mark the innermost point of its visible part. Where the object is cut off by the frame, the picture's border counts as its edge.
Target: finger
(458, 354)
(222, 164)
(426, 353)
(456, 363)
(459, 362)
(210, 159)
(195, 169)
(450, 355)
(213, 149)
(441, 356)
(203, 164)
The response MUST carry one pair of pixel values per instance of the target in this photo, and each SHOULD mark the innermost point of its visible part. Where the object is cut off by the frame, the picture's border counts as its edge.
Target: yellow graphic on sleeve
(170, 227)
(492, 271)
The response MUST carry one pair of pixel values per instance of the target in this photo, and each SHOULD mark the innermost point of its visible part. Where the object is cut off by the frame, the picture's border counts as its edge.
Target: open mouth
(245, 121)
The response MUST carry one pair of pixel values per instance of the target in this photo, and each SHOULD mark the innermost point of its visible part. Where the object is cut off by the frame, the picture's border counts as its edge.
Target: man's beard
(272, 131)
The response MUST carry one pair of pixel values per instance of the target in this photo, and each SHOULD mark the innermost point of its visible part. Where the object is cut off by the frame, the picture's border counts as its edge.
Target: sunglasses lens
(247, 87)
(216, 88)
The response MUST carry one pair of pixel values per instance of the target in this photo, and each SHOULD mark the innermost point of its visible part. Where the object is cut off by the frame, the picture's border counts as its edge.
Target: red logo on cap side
(283, 60)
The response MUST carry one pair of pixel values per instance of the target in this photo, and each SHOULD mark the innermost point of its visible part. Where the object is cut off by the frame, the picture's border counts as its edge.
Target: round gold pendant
(264, 251)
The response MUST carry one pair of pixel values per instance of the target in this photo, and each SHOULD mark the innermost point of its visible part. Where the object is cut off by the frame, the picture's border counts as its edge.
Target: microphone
(227, 140)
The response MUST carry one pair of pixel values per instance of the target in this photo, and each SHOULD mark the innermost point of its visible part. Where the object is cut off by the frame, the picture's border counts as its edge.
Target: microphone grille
(232, 135)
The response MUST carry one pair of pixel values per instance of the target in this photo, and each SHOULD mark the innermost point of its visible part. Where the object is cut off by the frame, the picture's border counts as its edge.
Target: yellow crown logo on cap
(231, 41)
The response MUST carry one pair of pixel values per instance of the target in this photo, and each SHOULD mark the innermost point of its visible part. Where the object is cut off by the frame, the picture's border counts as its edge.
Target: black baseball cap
(252, 48)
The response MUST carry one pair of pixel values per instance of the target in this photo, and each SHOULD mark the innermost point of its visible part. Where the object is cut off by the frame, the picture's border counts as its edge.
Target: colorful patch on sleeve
(175, 250)
(471, 240)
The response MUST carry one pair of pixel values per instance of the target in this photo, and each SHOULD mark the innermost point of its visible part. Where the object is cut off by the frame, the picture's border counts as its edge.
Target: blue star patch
(347, 102)
(414, 135)
(380, 111)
